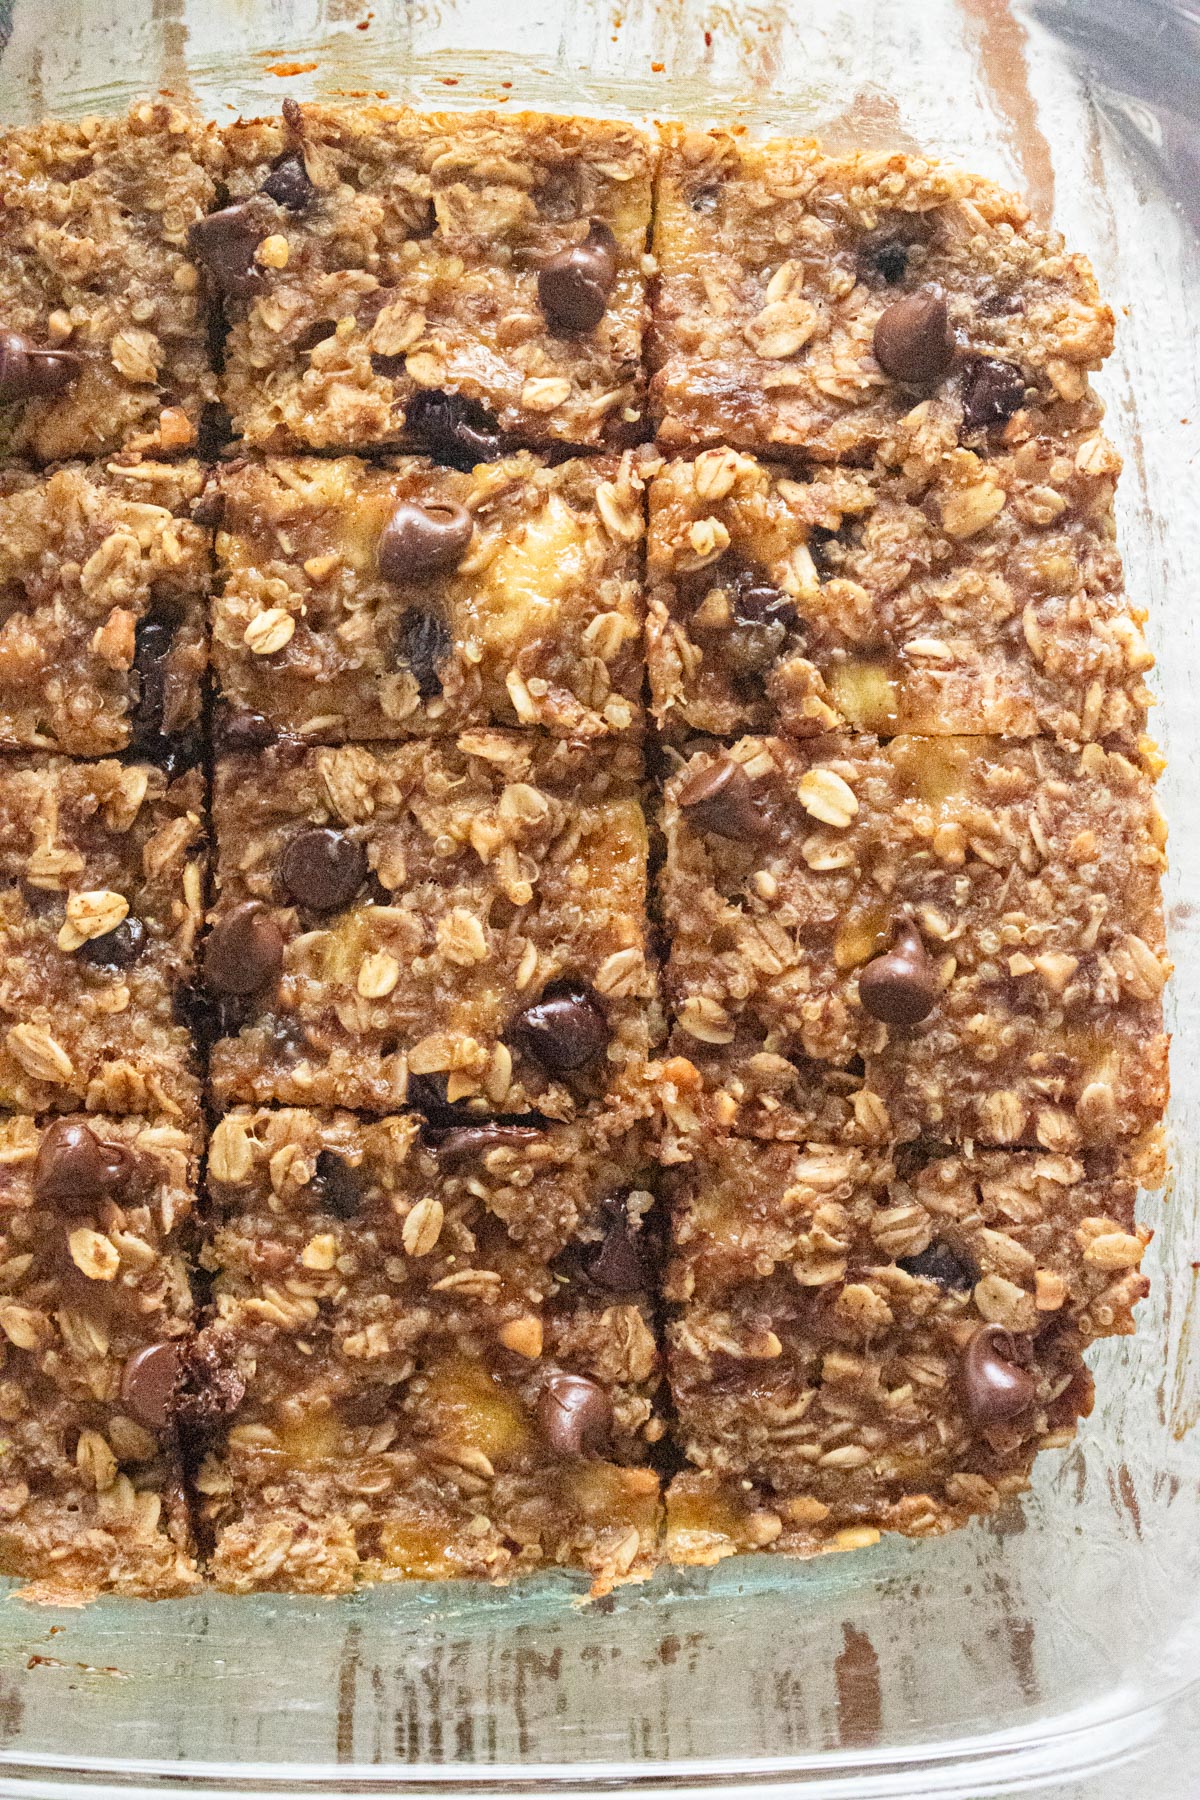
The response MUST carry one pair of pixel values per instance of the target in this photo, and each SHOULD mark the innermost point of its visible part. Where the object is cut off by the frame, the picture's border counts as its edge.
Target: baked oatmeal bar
(450, 281)
(365, 601)
(430, 1352)
(808, 302)
(925, 937)
(460, 922)
(103, 333)
(871, 1340)
(101, 896)
(95, 1310)
(939, 592)
(104, 578)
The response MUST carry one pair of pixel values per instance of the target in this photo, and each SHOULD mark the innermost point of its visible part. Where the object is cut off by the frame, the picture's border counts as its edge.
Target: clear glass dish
(1054, 1649)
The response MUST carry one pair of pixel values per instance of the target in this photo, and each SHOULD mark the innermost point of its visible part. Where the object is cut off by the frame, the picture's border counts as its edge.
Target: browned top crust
(776, 261)
(94, 220)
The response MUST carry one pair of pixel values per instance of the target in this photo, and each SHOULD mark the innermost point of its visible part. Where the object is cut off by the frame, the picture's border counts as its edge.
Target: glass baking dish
(1053, 1649)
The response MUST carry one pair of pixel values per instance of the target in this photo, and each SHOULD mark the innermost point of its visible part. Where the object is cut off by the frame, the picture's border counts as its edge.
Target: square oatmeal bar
(924, 937)
(103, 332)
(807, 302)
(105, 570)
(458, 922)
(101, 896)
(937, 592)
(398, 600)
(869, 1340)
(450, 281)
(431, 1351)
(94, 1320)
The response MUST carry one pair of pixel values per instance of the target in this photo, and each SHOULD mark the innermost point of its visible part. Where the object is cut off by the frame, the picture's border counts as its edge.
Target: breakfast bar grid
(580, 938)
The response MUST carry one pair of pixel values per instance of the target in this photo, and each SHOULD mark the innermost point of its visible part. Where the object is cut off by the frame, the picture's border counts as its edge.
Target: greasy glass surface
(1053, 1650)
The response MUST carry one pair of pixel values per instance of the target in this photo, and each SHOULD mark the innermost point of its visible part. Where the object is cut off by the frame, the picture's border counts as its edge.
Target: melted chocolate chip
(116, 949)
(706, 200)
(992, 391)
(566, 1029)
(74, 1168)
(937, 1262)
(762, 618)
(224, 244)
(288, 184)
(468, 1143)
(575, 1415)
(574, 287)
(421, 541)
(616, 1262)
(453, 429)
(244, 950)
(336, 1185)
(900, 987)
(149, 1383)
(208, 508)
(994, 1387)
(236, 731)
(423, 643)
(28, 373)
(913, 341)
(890, 259)
(1000, 306)
(323, 869)
(720, 798)
(153, 638)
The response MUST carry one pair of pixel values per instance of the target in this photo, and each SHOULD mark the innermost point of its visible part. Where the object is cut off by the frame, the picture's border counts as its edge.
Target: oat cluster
(581, 953)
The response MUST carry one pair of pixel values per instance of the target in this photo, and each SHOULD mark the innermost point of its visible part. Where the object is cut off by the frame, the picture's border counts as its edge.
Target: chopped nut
(273, 252)
(522, 1335)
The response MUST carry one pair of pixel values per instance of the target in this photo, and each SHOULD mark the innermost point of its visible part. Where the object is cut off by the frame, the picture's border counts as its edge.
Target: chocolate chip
(235, 731)
(994, 1386)
(116, 949)
(468, 1143)
(225, 242)
(244, 950)
(454, 429)
(149, 1383)
(937, 1262)
(762, 618)
(900, 986)
(75, 1168)
(721, 798)
(992, 392)
(1000, 306)
(427, 1094)
(913, 341)
(29, 373)
(336, 1185)
(323, 869)
(288, 184)
(420, 541)
(423, 643)
(173, 755)
(574, 287)
(616, 1263)
(575, 1415)
(566, 1029)
(890, 259)
(208, 508)
(152, 639)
